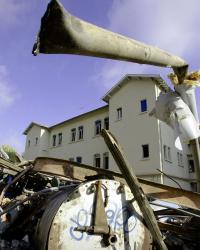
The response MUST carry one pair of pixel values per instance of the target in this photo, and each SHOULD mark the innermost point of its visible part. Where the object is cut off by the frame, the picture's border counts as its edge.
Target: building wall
(136, 128)
(133, 130)
(175, 167)
(86, 148)
(34, 150)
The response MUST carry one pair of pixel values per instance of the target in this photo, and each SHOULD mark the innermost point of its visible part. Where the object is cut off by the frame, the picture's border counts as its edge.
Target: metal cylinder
(59, 222)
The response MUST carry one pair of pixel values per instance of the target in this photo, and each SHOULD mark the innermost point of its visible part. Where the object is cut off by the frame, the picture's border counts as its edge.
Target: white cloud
(7, 93)
(10, 11)
(170, 25)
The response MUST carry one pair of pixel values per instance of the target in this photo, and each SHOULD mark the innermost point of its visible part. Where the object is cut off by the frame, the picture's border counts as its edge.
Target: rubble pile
(32, 193)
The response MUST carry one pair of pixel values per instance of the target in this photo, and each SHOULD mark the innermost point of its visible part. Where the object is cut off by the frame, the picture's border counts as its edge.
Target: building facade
(148, 143)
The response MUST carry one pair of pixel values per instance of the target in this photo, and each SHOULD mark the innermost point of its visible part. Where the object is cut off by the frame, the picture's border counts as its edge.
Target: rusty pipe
(62, 33)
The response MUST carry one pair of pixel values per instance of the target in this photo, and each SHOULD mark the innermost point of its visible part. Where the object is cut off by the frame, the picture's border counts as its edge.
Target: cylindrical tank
(75, 208)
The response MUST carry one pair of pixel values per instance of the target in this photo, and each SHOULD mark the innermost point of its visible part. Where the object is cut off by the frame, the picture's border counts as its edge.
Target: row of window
(36, 142)
(167, 156)
(78, 133)
(97, 160)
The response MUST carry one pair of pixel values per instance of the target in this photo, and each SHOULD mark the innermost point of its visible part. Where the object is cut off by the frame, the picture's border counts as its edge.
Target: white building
(148, 143)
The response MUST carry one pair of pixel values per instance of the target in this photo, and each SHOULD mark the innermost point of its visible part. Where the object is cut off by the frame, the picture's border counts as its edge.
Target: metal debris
(31, 206)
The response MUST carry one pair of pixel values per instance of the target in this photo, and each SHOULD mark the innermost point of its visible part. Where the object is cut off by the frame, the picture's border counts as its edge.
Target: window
(106, 160)
(119, 113)
(54, 141)
(80, 132)
(59, 138)
(36, 140)
(180, 159)
(106, 123)
(143, 105)
(191, 166)
(97, 127)
(167, 153)
(97, 160)
(193, 186)
(73, 134)
(71, 159)
(29, 143)
(78, 159)
(145, 151)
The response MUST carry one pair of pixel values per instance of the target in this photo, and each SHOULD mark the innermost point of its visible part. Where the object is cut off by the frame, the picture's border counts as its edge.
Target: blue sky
(51, 88)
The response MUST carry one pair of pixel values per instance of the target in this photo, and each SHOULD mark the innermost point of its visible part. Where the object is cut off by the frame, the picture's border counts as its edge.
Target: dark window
(79, 159)
(80, 132)
(106, 123)
(73, 134)
(119, 113)
(145, 151)
(97, 160)
(29, 143)
(191, 166)
(36, 140)
(106, 160)
(143, 105)
(165, 152)
(97, 127)
(54, 141)
(193, 186)
(169, 154)
(59, 138)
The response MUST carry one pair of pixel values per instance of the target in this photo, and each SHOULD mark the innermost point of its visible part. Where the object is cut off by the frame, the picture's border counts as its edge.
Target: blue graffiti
(118, 218)
(82, 213)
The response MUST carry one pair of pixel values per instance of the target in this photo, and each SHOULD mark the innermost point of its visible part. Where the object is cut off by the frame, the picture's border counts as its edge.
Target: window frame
(167, 153)
(191, 167)
(119, 114)
(97, 156)
(144, 147)
(180, 159)
(60, 138)
(143, 106)
(79, 159)
(97, 127)
(73, 134)
(80, 133)
(106, 160)
(106, 123)
(54, 140)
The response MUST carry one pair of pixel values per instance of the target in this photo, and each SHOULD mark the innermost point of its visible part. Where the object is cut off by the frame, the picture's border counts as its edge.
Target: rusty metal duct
(62, 33)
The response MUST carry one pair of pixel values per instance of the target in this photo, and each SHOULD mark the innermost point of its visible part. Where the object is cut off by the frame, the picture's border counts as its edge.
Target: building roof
(64, 122)
(33, 124)
(157, 79)
(79, 116)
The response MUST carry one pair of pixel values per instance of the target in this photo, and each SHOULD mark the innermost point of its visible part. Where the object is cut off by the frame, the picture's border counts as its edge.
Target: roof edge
(33, 124)
(156, 77)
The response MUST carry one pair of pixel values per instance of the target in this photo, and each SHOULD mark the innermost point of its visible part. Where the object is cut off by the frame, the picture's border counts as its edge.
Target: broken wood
(134, 185)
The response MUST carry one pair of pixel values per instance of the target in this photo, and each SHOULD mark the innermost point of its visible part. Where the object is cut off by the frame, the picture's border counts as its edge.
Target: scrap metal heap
(57, 204)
